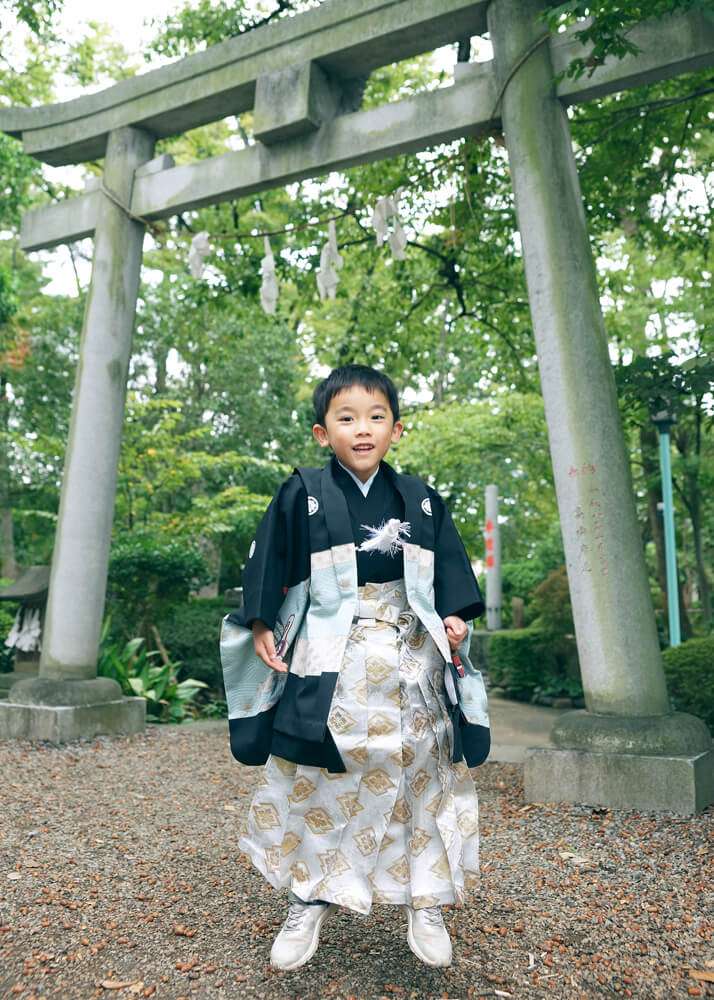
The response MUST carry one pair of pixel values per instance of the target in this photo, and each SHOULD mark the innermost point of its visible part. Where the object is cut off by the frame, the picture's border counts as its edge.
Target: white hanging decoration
(200, 249)
(388, 537)
(269, 285)
(25, 631)
(330, 263)
(386, 209)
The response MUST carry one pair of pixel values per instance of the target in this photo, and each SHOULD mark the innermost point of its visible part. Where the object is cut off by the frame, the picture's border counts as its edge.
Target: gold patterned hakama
(401, 825)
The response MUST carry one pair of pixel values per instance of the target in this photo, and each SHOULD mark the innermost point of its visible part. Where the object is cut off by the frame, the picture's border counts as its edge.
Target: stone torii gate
(301, 76)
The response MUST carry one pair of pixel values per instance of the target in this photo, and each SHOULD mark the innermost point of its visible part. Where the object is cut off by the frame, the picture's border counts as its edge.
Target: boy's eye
(346, 419)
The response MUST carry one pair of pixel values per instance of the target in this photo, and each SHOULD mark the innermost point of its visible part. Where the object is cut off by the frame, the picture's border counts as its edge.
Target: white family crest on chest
(251, 550)
(426, 506)
(312, 506)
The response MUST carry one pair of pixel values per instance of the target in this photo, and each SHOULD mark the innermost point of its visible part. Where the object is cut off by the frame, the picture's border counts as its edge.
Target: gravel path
(119, 865)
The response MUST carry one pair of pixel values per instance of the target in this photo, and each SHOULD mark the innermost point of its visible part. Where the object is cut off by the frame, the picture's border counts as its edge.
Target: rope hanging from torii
(385, 220)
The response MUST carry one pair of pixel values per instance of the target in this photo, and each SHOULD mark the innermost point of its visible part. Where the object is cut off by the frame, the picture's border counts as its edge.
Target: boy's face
(359, 427)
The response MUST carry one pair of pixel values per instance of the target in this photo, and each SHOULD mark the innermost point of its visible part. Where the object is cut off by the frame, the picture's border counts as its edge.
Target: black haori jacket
(311, 611)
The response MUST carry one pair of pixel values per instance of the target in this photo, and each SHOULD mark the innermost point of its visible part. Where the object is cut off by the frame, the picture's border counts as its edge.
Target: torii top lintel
(302, 77)
(346, 38)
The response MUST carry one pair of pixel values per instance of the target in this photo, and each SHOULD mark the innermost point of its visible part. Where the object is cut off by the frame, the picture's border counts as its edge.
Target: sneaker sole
(415, 948)
(312, 947)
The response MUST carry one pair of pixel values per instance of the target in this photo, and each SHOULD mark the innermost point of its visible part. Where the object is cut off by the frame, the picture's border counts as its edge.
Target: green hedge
(530, 662)
(689, 669)
(190, 633)
(518, 660)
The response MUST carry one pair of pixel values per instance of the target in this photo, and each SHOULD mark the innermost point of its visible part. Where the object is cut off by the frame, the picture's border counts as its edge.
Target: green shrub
(689, 669)
(149, 572)
(518, 660)
(190, 631)
(531, 662)
(518, 579)
(551, 604)
(8, 610)
(135, 669)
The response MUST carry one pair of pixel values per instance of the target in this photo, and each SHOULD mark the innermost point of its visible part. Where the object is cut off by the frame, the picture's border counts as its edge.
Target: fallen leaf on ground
(183, 931)
(577, 859)
(187, 966)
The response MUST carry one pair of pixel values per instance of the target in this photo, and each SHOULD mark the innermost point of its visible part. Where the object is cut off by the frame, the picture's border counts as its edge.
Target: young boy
(341, 672)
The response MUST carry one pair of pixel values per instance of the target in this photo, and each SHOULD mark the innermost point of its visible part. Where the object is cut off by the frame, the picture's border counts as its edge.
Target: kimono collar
(363, 487)
(337, 517)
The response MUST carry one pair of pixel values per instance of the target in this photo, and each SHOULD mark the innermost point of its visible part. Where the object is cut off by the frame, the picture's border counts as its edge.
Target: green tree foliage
(608, 24)
(37, 15)
(207, 22)
(463, 447)
(220, 393)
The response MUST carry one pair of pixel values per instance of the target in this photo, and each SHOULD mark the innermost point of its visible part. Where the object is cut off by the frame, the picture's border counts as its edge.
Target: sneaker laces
(296, 912)
(432, 915)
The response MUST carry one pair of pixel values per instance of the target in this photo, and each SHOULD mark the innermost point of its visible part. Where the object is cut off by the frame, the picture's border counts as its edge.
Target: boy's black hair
(344, 378)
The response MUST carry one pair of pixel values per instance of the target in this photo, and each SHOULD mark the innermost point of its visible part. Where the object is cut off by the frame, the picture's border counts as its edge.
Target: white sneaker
(300, 934)
(427, 936)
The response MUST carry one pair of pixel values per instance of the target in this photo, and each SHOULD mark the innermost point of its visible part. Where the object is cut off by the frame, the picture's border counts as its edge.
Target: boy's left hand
(456, 630)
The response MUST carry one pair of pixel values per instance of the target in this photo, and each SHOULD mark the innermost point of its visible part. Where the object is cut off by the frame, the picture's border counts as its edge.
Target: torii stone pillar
(626, 749)
(68, 700)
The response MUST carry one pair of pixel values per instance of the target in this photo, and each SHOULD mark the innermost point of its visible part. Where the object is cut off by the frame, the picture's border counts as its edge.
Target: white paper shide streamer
(386, 210)
(330, 263)
(388, 537)
(269, 284)
(200, 249)
(25, 631)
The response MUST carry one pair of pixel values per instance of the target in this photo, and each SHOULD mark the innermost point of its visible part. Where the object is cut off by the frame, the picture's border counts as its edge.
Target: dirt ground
(120, 876)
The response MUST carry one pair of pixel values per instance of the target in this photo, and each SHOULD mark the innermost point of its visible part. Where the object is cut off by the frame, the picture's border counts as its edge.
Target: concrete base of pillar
(7, 680)
(62, 723)
(675, 735)
(55, 710)
(680, 783)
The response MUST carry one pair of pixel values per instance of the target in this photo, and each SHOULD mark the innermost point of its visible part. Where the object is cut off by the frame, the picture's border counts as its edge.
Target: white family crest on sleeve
(251, 550)
(312, 506)
(426, 506)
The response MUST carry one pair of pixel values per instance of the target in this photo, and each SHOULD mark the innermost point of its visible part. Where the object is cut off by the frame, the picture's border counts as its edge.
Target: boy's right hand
(264, 645)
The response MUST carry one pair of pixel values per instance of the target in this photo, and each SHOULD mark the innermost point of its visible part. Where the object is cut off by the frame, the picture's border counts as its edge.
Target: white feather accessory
(388, 537)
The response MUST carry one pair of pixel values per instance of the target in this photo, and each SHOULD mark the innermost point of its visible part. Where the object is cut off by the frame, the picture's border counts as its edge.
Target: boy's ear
(320, 435)
(397, 430)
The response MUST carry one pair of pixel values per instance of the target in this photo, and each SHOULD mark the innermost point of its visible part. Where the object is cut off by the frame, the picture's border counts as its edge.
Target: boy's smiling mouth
(363, 447)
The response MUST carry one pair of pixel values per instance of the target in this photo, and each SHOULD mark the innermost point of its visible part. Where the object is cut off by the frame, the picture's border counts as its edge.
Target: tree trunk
(692, 499)
(653, 486)
(161, 355)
